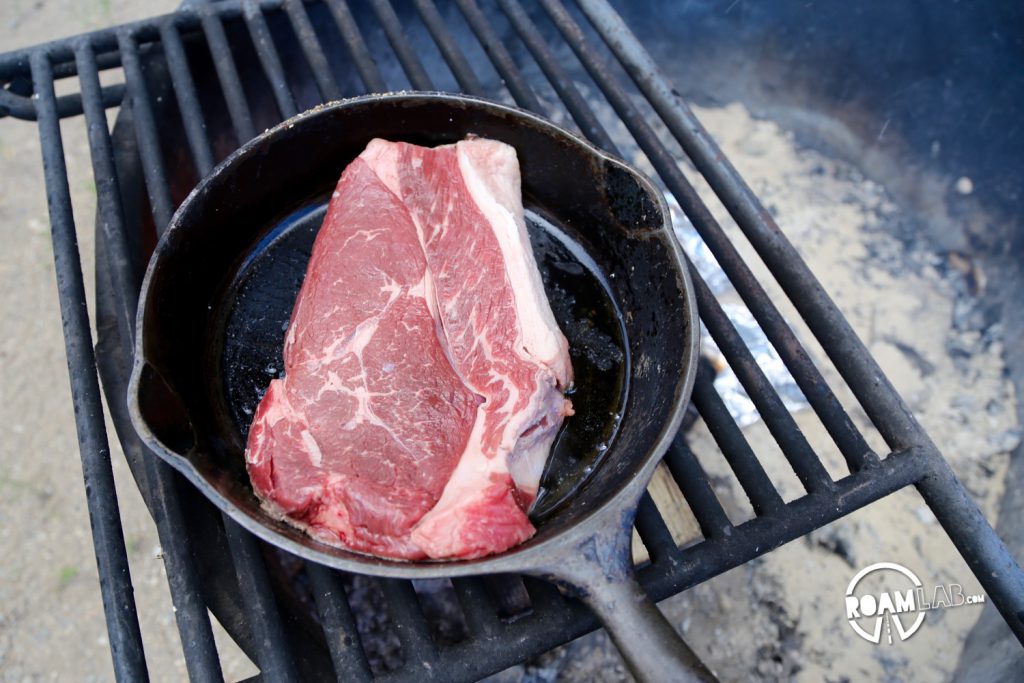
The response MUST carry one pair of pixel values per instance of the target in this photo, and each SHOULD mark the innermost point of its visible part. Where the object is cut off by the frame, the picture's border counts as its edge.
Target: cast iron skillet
(221, 284)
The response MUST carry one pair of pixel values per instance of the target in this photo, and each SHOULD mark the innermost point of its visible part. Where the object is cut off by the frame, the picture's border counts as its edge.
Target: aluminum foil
(728, 385)
(726, 382)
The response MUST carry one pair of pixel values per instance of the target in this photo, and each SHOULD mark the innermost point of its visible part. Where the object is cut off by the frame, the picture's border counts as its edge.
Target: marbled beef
(424, 370)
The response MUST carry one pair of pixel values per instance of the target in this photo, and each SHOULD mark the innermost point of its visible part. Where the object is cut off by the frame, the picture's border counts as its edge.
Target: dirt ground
(778, 618)
(51, 618)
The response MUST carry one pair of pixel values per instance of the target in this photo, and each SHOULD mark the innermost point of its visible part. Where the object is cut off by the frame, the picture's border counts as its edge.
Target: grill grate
(293, 45)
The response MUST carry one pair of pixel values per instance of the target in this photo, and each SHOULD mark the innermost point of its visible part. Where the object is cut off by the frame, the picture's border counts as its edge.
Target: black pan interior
(224, 281)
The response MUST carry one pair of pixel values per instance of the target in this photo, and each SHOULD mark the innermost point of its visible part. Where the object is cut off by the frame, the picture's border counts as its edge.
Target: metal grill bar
(109, 209)
(438, 29)
(339, 626)
(273, 654)
(310, 44)
(272, 649)
(66, 105)
(987, 556)
(411, 64)
(778, 420)
(804, 461)
(105, 40)
(764, 499)
(850, 441)
(693, 483)
(13, 101)
(410, 625)
(774, 413)
(508, 594)
(263, 42)
(188, 100)
(876, 395)
(477, 608)
(653, 530)
(364, 61)
(499, 56)
(190, 611)
(146, 133)
(544, 596)
(556, 75)
(106, 59)
(104, 514)
(227, 74)
(477, 657)
(762, 534)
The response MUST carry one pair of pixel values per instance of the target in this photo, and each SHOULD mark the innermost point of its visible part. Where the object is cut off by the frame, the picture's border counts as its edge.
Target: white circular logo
(892, 607)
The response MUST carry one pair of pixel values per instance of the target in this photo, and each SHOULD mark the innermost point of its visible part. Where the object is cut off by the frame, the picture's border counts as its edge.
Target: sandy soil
(777, 618)
(51, 618)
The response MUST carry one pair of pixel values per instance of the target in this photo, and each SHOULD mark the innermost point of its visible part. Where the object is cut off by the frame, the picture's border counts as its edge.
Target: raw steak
(424, 370)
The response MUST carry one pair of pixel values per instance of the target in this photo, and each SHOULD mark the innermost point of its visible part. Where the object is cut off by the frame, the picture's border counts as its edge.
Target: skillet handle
(650, 646)
(600, 569)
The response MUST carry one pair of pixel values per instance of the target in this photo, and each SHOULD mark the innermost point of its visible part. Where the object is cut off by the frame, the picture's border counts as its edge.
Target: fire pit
(198, 83)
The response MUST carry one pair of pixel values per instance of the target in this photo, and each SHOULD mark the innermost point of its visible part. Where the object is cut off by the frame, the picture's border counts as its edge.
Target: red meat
(424, 370)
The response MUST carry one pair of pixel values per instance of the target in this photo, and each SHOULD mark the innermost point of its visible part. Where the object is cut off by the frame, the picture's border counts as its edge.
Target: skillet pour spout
(222, 282)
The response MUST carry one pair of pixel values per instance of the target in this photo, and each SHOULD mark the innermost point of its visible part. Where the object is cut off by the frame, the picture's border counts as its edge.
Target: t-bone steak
(424, 370)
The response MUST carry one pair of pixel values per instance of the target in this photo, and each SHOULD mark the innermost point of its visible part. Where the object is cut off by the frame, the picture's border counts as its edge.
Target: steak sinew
(424, 370)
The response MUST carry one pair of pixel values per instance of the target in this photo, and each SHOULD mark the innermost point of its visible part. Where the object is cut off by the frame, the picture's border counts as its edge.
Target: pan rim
(540, 557)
